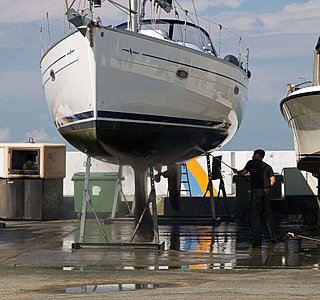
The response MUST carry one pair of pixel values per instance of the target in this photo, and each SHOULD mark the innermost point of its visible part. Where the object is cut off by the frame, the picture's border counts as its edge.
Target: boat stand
(85, 201)
(215, 221)
(151, 200)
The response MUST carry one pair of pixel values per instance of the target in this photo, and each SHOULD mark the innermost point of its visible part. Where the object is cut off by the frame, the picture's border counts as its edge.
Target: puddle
(147, 268)
(107, 288)
(201, 247)
(267, 257)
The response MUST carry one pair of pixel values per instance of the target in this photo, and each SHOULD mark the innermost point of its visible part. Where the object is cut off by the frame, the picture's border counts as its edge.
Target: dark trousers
(259, 214)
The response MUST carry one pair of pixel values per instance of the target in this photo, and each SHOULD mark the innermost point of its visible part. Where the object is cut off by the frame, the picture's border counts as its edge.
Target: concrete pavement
(199, 261)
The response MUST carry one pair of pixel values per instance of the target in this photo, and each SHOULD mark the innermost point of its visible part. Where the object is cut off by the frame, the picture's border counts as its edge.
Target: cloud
(293, 18)
(38, 135)
(4, 134)
(281, 44)
(22, 11)
(227, 3)
(203, 5)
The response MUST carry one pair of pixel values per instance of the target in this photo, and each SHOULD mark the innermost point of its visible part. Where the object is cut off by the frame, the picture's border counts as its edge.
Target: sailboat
(301, 109)
(145, 90)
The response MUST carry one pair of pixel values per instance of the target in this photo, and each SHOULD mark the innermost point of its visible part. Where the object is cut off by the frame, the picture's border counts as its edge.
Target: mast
(133, 15)
(316, 68)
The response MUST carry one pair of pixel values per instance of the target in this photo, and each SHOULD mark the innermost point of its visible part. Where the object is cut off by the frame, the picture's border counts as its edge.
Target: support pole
(225, 200)
(210, 189)
(318, 202)
(118, 194)
(85, 200)
(153, 201)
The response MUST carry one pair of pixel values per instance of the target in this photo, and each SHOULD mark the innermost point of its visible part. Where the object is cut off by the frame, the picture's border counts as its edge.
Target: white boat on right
(301, 109)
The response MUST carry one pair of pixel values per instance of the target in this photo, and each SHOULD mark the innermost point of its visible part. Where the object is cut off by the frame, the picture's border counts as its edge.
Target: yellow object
(199, 174)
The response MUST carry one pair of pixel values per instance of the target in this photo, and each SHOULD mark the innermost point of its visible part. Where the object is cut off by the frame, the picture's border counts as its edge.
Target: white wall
(76, 163)
(235, 159)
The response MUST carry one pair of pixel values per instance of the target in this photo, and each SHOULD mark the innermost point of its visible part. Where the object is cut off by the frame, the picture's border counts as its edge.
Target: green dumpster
(243, 193)
(102, 187)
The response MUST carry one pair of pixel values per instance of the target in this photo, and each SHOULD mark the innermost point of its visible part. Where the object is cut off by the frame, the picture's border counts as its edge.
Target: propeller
(157, 177)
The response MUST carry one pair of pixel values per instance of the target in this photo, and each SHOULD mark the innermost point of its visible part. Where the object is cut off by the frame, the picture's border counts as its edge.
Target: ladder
(184, 179)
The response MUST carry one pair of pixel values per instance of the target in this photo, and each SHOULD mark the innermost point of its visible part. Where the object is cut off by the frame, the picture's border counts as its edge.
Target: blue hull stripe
(80, 116)
(153, 118)
(140, 117)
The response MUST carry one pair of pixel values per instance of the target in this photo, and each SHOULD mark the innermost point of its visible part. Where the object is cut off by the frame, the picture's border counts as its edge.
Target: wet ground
(198, 261)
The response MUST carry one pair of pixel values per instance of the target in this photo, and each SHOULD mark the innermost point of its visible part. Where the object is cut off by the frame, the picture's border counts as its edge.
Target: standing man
(262, 179)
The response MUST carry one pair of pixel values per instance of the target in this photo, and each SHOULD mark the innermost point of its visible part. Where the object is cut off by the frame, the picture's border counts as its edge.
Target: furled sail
(165, 4)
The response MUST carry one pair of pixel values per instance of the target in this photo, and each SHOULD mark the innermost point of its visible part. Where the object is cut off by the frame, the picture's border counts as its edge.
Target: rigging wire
(208, 20)
(176, 7)
(124, 9)
(209, 31)
(200, 35)
(54, 3)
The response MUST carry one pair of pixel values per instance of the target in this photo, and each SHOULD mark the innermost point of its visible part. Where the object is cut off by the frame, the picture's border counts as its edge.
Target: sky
(280, 34)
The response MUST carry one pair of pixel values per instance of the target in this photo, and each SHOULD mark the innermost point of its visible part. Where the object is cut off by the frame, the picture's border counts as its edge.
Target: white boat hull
(301, 110)
(120, 99)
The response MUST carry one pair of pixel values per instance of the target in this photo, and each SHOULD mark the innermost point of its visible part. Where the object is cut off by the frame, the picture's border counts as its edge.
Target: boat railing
(293, 88)
(230, 46)
(216, 39)
(228, 42)
(181, 32)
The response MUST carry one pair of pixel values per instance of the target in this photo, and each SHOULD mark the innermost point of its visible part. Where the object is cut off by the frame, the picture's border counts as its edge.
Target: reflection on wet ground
(102, 288)
(227, 246)
(233, 241)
